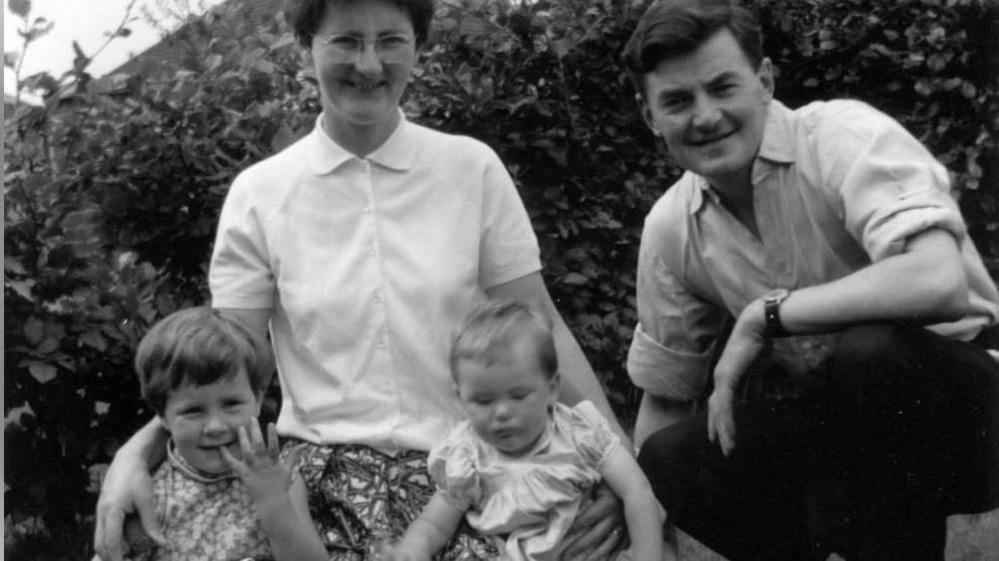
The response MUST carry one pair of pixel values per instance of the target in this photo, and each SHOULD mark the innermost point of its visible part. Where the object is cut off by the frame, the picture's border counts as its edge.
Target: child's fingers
(230, 460)
(294, 457)
(256, 436)
(244, 442)
(272, 440)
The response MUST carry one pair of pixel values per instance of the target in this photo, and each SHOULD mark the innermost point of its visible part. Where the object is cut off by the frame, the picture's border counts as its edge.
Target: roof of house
(170, 47)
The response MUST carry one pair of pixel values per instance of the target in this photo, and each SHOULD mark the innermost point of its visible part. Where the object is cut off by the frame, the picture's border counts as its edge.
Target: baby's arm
(279, 496)
(641, 510)
(428, 533)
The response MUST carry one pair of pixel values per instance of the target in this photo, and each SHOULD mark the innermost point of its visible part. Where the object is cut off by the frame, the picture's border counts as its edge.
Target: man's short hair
(199, 346)
(491, 329)
(304, 17)
(669, 28)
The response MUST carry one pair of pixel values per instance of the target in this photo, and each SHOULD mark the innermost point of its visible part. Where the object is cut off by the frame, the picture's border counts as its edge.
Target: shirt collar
(397, 152)
(777, 147)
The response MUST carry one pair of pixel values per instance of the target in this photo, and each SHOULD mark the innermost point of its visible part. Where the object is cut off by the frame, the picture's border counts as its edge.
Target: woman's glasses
(347, 49)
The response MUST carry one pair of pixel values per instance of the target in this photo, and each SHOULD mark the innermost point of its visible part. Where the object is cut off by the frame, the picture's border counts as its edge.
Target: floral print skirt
(360, 497)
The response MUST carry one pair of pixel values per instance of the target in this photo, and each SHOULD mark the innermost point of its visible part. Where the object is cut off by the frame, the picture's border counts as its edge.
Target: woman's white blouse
(368, 264)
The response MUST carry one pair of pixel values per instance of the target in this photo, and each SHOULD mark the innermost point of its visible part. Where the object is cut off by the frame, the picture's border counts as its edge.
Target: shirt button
(377, 297)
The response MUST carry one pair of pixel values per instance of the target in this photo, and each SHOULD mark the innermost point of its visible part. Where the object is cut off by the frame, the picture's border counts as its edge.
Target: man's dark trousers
(900, 430)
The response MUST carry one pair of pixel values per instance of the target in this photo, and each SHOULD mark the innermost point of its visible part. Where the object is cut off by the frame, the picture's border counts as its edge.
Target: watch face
(777, 296)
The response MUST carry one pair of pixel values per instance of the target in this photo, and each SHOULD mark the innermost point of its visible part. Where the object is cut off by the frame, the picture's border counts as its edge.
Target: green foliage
(113, 187)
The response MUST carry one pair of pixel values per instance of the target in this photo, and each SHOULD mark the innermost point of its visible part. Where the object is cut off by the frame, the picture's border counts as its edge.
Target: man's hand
(744, 344)
(127, 488)
(721, 419)
(266, 477)
(599, 531)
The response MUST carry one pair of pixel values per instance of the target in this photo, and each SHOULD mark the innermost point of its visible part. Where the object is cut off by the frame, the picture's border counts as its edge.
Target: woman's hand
(127, 488)
(599, 531)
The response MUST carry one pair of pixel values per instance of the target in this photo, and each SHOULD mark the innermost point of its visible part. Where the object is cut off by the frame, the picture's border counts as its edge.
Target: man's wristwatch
(771, 312)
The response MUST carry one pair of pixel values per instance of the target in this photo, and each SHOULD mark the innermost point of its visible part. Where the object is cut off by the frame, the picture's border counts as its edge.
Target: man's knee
(872, 357)
(870, 343)
(674, 460)
(658, 452)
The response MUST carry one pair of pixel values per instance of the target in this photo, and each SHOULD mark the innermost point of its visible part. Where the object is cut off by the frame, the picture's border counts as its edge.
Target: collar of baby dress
(191, 471)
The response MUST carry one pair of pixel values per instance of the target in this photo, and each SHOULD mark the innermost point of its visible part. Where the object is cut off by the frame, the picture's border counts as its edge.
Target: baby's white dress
(527, 502)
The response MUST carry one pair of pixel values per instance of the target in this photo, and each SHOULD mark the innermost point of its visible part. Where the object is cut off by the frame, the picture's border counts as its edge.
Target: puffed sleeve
(240, 274)
(451, 464)
(674, 341)
(889, 184)
(508, 246)
(591, 433)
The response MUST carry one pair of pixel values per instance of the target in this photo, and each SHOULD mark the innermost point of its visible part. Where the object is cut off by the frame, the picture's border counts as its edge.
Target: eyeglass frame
(360, 45)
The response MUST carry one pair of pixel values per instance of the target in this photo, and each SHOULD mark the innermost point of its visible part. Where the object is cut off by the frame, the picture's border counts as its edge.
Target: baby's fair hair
(199, 346)
(492, 328)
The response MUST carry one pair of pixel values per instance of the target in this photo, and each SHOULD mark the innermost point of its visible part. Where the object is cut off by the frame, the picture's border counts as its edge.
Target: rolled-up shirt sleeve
(890, 186)
(676, 335)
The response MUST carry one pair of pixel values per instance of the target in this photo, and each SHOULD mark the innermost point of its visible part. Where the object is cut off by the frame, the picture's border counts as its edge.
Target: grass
(973, 537)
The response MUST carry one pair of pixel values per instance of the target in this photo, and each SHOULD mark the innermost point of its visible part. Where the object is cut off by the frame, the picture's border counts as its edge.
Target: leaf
(10, 59)
(282, 138)
(42, 372)
(22, 288)
(34, 330)
(20, 8)
(95, 339)
(575, 279)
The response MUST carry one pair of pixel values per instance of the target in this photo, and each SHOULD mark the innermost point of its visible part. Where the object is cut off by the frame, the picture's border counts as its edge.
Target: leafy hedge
(113, 187)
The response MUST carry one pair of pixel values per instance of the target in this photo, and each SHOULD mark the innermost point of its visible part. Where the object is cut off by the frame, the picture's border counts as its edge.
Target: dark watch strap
(771, 313)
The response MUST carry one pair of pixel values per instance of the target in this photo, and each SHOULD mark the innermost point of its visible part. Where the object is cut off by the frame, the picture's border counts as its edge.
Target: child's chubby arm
(279, 495)
(427, 534)
(641, 509)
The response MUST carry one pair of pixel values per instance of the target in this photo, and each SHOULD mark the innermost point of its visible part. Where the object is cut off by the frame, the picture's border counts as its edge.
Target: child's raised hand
(260, 467)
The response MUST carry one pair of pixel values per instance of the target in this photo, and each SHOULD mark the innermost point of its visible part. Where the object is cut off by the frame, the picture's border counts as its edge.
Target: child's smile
(203, 419)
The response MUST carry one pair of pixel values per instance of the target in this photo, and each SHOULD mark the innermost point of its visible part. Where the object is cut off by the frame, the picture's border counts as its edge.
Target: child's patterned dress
(204, 517)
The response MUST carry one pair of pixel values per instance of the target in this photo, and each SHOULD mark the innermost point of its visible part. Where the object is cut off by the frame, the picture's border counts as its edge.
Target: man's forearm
(925, 284)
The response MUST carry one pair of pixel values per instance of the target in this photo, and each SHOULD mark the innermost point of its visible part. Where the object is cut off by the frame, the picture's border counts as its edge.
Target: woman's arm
(128, 488)
(641, 510)
(258, 320)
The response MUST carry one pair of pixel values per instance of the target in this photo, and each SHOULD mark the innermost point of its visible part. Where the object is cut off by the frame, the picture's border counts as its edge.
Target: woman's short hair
(491, 329)
(199, 346)
(677, 27)
(305, 16)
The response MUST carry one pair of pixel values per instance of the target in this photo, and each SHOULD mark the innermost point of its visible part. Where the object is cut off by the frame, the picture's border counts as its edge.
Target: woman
(360, 246)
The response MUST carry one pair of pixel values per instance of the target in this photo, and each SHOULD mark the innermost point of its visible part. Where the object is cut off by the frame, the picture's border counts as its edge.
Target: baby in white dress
(521, 465)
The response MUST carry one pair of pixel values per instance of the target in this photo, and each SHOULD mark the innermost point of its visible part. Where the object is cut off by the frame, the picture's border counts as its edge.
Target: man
(853, 404)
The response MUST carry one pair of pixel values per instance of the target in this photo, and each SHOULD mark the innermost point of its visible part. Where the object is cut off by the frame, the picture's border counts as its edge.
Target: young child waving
(521, 465)
(222, 493)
